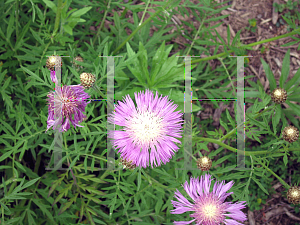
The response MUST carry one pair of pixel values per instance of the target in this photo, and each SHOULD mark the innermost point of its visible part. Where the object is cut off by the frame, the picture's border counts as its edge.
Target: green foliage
(84, 191)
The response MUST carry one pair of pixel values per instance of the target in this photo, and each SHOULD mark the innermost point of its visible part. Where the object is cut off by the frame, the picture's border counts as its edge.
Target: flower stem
(102, 22)
(281, 181)
(245, 46)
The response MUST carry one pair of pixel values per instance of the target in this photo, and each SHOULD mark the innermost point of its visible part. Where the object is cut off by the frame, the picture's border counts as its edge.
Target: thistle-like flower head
(209, 207)
(66, 104)
(290, 134)
(279, 95)
(50, 63)
(87, 80)
(293, 195)
(204, 163)
(149, 129)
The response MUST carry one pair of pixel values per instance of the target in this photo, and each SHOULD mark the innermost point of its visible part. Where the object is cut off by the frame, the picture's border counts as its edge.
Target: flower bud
(290, 134)
(279, 95)
(50, 63)
(87, 80)
(293, 195)
(79, 59)
(204, 163)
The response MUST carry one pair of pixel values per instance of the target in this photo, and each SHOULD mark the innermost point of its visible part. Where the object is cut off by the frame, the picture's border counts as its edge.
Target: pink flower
(149, 129)
(67, 101)
(209, 207)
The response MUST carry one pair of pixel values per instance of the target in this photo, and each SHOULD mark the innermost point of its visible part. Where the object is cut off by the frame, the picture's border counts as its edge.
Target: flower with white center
(149, 129)
(209, 207)
(66, 104)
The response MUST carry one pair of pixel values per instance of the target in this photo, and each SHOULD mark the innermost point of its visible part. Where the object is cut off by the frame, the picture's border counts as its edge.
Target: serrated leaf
(276, 118)
(269, 75)
(260, 185)
(294, 81)
(285, 69)
(43, 208)
(68, 204)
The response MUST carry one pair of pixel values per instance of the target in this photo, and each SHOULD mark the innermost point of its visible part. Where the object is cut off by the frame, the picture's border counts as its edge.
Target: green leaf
(51, 5)
(68, 204)
(10, 26)
(276, 118)
(228, 35)
(81, 12)
(294, 81)
(43, 208)
(255, 122)
(285, 159)
(37, 37)
(143, 58)
(34, 76)
(260, 185)
(294, 107)
(5, 155)
(236, 38)
(269, 75)
(133, 60)
(68, 29)
(139, 180)
(285, 69)
(20, 166)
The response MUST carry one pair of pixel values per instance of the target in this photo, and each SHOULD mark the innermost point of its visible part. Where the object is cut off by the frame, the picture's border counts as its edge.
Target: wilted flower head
(69, 103)
(290, 134)
(149, 129)
(209, 207)
(279, 95)
(293, 195)
(204, 163)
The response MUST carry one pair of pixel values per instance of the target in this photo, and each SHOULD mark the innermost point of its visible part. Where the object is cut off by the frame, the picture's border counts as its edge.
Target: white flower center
(210, 211)
(145, 127)
(290, 131)
(295, 193)
(52, 59)
(204, 160)
(277, 93)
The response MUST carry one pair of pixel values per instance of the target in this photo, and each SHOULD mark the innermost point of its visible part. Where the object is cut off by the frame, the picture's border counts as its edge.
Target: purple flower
(52, 75)
(69, 104)
(149, 129)
(209, 207)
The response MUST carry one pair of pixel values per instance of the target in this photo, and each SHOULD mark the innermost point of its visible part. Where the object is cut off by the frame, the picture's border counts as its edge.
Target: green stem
(102, 22)
(274, 174)
(97, 89)
(140, 27)
(201, 25)
(246, 153)
(249, 45)
(144, 13)
(233, 131)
